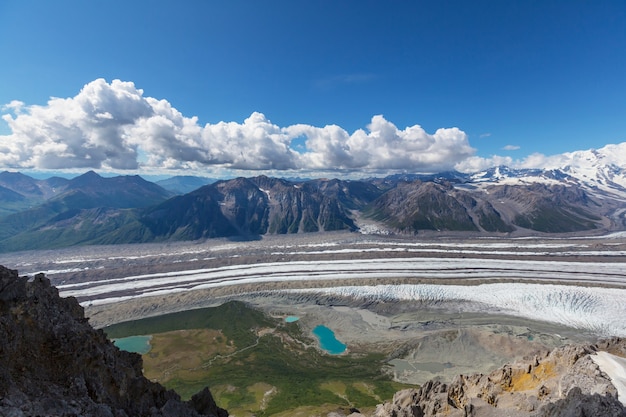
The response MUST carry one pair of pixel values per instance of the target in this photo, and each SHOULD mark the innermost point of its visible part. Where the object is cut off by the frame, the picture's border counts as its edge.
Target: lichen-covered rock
(564, 382)
(53, 363)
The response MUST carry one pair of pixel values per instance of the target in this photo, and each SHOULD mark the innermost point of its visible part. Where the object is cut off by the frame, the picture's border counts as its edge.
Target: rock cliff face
(256, 206)
(53, 363)
(565, 382)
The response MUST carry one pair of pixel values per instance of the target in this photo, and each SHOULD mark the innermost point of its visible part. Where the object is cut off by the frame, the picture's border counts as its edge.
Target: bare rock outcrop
(564, 382)
(53, 363)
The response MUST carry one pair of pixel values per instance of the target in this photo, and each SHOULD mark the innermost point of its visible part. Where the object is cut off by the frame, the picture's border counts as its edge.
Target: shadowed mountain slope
(65, 214)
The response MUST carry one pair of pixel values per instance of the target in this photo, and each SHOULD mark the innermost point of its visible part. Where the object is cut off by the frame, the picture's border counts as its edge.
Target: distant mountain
(547, 208)
(26, 185)
(19, 192)
(60, 220)
(183, 184)
(11, 202)
(8, 195)
(91, 190)
(600, 172)
(32, 188)
(584, 195)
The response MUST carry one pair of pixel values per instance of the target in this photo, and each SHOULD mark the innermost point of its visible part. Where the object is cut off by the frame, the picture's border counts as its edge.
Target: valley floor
(438, 306)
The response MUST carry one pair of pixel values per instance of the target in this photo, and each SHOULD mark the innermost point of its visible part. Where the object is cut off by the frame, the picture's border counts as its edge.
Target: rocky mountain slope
(53, 363)
(249, 206)
(414, 206)
(565, 382)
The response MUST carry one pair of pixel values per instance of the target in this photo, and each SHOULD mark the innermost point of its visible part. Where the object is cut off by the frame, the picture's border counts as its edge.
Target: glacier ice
(598, 310)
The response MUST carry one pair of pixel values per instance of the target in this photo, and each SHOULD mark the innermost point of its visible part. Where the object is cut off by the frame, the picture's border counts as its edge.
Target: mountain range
(586, 197)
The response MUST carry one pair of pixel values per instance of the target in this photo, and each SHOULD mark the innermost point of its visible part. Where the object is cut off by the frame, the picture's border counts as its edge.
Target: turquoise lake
(291, 319)
(328, 341)
(136, 344)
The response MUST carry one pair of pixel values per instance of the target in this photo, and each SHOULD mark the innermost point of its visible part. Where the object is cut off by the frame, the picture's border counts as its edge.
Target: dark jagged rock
(577, 404)
(53, 363)
(204, 403)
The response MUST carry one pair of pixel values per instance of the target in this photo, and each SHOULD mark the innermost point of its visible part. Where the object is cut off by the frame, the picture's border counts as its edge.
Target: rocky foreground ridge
(53, 363)
(565, 382)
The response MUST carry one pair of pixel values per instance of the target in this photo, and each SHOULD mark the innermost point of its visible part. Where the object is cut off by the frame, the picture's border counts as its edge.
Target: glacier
(597, 310)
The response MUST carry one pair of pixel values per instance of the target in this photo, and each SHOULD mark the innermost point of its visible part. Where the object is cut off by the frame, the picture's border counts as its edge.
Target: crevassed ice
(599, 310)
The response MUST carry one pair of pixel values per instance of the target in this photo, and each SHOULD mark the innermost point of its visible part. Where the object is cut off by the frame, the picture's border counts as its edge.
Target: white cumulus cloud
(478, 163)
(86, 131)
(113, 126)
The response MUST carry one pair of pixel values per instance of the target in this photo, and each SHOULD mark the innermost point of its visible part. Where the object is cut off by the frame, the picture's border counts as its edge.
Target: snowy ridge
(598, 310)
(505, 175)
(594, 170)
(602, 169)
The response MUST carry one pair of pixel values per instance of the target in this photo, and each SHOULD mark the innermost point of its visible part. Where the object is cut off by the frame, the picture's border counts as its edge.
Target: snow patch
(267, 192)
(615, 368)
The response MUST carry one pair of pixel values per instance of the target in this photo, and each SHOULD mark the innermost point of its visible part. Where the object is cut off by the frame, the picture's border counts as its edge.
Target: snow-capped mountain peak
(505, 175)
(595, 170)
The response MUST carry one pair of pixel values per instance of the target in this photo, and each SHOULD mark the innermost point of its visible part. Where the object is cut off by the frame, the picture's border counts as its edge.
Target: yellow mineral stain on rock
(524, 381)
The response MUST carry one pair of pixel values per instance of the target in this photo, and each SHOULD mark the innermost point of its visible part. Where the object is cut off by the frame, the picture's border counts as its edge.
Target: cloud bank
(113, 126)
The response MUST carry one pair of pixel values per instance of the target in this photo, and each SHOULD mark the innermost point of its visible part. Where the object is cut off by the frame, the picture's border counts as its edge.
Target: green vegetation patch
(183, 353)
(234, 319)
(554, 220)
(256, 365)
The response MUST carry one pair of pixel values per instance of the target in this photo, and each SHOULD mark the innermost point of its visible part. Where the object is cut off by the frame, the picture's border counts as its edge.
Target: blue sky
(513, 77)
